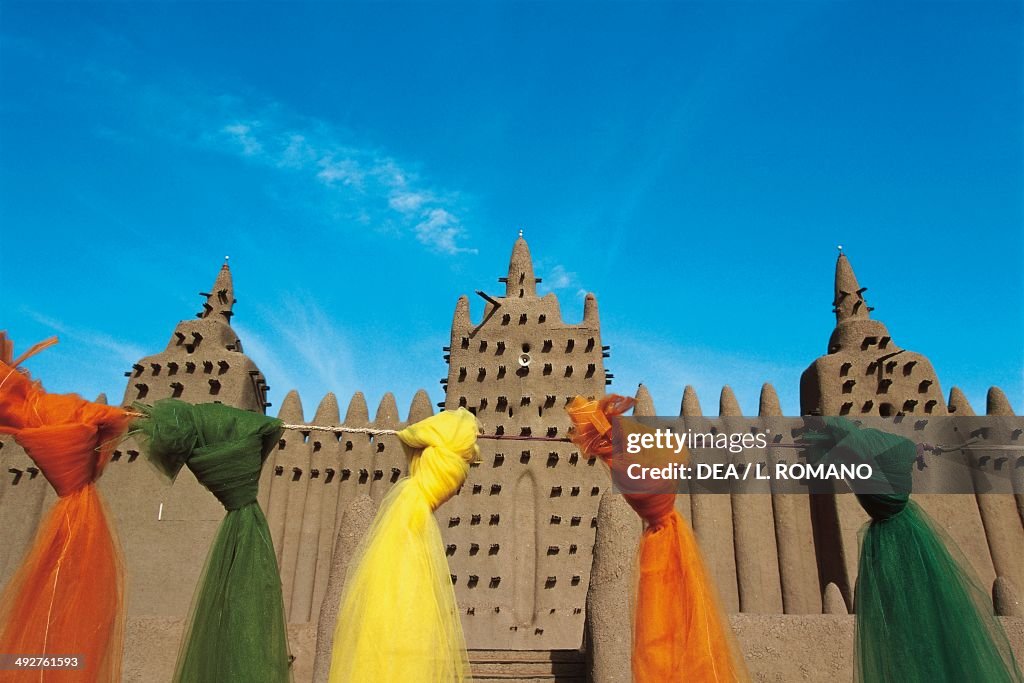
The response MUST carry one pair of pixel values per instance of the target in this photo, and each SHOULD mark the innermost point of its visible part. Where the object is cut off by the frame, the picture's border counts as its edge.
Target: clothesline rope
(380, 431)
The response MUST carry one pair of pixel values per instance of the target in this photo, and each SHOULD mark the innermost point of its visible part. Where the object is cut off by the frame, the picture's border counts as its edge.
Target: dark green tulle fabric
(922, 617)
(236, 631)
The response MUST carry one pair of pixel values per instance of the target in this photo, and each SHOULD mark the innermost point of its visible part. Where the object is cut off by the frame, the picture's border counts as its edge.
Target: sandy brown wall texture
(541, 552)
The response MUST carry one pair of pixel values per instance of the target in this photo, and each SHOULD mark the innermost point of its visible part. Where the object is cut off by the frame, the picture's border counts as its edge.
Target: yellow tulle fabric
(398, 619)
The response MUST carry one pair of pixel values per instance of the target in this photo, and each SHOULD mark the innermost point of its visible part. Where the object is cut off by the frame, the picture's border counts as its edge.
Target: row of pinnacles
(540, 550)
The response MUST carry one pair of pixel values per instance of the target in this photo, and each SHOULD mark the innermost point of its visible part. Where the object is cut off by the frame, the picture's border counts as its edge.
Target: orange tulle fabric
(679, 630)
(66, 599)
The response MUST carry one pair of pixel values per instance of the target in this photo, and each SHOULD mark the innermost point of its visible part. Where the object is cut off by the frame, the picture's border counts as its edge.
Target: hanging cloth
(398, 619)
(679, 630)
(66, 599)
(236, 631)
(922, 616)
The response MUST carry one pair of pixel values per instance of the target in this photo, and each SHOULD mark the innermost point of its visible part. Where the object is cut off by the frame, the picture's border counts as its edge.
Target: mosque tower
(520, 533)
(864, 371)
(203, 361)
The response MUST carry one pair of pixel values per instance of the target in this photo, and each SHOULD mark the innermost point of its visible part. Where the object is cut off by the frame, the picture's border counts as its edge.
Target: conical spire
(849, 303)
(590, 315)
(768, 405)
(461, 320)
(958, 403)
(854, 326)
(691, 404)
(221, 299)
(291, 409)
(421, 408)
(358, 414)
(520, 281)
(644, 406)
(387, 411)
(327, 413)
(997, 403)
(728, 406)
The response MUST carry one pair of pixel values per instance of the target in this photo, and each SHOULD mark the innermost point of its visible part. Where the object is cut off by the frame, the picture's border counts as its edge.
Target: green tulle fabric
(236, 630)
(922, 617)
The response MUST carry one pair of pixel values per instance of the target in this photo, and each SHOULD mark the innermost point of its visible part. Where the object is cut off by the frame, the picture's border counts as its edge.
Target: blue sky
(693, 164)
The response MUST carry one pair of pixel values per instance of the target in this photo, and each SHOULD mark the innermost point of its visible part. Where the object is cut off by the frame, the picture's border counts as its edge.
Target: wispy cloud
(377, 185)
(298, 345)
(124, 353)
(364, 184)
(441, 230)
(350, 179)
(242, 134)
(408, 202)
(86, 361)
(558, 278)
(297, 340)
(280, 369)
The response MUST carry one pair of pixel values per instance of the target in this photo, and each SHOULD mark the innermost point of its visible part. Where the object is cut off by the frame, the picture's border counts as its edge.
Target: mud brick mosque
(541, 551)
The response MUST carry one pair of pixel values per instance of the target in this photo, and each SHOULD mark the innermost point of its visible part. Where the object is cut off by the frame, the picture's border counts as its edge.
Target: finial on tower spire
(849, 303)
(520, 232)
(520, 281)
(221, 299)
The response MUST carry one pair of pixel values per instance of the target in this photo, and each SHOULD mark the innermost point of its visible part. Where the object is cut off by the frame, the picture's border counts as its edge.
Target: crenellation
(289, 491)
(728, 405)
(797, 570)
(711, 518)
(644, 403)
(357, 414)
(768, 402)
(996, 403)
(356, 453)
(389, 460)
(1001, 513)
(319, 517)
(275, 468)
(690, 406)
(759, 584)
